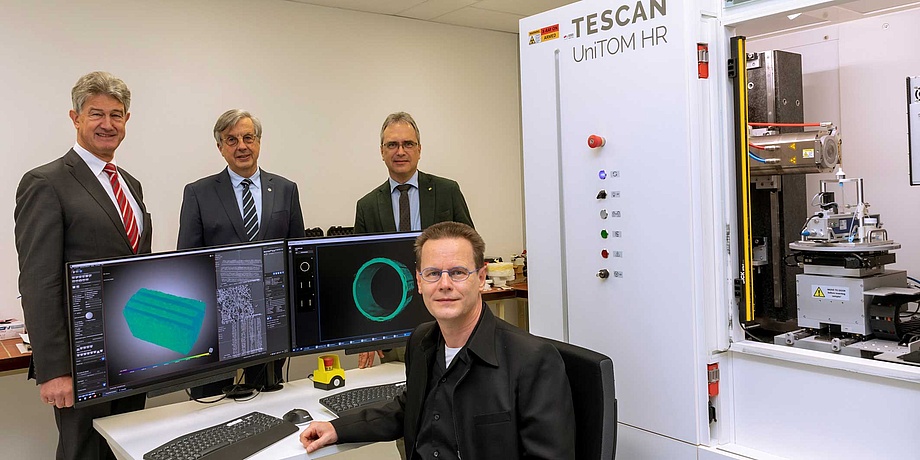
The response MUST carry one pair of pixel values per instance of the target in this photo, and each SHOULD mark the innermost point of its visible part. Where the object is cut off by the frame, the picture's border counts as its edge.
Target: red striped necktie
(127, 214)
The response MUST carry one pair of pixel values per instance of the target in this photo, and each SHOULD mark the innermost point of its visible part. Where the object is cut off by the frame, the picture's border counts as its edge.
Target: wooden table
(516, 291)
(11, 358)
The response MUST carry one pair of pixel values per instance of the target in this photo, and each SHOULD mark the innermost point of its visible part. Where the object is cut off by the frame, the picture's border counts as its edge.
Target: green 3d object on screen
(166, 320)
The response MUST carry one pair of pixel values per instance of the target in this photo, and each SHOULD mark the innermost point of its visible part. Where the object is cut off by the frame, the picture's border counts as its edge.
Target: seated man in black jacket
(476, 386)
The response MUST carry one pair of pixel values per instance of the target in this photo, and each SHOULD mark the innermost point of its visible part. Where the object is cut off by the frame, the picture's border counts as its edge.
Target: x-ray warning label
(819, 291)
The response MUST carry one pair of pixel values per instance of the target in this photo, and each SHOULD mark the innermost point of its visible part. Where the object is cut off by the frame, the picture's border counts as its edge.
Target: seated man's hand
(57, 391)
(317, 435)
(366, 359)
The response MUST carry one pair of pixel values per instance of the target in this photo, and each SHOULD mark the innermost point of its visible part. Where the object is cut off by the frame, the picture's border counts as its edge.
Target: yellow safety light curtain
(738, 74)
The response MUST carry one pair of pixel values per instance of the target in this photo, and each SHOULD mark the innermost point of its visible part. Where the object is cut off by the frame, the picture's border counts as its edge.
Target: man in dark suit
(239, 204)
(411, 198)
(78, 207)
(431, 199)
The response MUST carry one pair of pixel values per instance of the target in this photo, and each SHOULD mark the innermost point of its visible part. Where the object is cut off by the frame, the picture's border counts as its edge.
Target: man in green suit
(430, 199)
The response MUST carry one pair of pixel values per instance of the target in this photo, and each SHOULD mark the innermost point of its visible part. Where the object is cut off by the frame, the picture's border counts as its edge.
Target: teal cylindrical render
(364, 297)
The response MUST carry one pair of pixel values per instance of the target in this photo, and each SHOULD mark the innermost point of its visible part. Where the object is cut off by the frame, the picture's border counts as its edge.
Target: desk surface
(134, 434)
(11, 358)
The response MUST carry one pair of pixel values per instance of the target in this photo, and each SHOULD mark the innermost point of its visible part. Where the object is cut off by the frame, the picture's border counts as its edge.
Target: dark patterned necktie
(405, 222)
(250, 218)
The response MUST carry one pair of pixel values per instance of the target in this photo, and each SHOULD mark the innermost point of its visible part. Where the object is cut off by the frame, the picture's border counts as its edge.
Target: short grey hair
(96, 83)
(400, 117)
(232, 117)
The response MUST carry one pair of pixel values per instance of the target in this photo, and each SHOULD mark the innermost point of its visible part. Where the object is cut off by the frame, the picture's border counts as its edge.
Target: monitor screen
(146, 322)
(354, 292)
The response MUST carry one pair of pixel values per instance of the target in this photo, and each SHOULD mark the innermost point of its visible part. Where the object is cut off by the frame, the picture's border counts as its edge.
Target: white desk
(134, 434)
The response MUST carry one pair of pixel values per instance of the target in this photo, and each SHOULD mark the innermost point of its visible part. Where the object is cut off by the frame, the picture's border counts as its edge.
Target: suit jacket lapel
(224, 189)
(426, 199)
(268, 203)
(85, 177)
(385, 208)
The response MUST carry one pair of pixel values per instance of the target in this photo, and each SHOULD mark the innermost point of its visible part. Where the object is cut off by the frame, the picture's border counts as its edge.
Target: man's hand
(366, 359)
(57, 391)
(317, 435)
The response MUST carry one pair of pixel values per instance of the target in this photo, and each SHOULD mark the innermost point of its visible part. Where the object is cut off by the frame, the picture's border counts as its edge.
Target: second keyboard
(362, 397)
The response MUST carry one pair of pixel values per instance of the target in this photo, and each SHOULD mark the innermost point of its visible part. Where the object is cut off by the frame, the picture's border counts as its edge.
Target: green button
(604, 234)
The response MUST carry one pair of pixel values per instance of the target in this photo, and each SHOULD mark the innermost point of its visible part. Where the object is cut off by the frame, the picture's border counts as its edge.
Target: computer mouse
(298, 416)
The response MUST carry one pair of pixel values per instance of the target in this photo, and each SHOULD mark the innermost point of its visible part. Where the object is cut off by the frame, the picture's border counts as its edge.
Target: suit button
(437, 417)
(436, 454)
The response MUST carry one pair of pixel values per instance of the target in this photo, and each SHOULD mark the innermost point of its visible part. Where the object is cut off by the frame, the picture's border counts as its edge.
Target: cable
(784, 125)
(796, 257)
(747, 333)
(756, 158)
(758, 147)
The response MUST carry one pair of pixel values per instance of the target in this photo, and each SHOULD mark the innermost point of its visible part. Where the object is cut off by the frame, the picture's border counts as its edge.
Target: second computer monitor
(354, 292)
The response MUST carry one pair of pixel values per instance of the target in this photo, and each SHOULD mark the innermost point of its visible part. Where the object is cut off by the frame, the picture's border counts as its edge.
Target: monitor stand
(273, 384)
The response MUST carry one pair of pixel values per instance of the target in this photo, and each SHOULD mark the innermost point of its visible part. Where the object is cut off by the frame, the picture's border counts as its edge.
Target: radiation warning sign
(543, 34)
(821, 291)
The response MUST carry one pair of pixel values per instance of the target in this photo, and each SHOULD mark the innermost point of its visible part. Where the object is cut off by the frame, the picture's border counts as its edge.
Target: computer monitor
(355, 292)
(147, 322)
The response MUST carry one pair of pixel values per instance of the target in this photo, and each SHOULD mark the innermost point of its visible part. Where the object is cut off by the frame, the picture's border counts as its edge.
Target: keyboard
(232, 440)
(357, 399)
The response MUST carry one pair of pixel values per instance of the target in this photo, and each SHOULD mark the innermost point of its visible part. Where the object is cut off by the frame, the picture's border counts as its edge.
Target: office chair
(338, 230)
(313, 232)
(594, 398)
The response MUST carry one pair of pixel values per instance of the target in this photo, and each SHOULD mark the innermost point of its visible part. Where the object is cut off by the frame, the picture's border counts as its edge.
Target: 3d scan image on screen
(354, 292)
(166, 320)
(375, 300)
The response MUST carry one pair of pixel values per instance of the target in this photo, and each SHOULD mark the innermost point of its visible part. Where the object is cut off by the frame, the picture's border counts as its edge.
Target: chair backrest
(313, 232)
(338, 230)
(594, 398)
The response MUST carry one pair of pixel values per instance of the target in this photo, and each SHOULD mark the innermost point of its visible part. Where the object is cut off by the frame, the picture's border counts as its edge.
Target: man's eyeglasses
(247, 139)
(456, 274)
(408, 146)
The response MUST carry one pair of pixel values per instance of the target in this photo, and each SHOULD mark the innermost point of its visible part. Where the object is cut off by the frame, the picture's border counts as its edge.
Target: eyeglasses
(408, 146)
(248, 139)
(456, 274)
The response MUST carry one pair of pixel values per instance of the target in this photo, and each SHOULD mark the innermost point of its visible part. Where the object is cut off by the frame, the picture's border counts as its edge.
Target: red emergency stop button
(595, 141)
(604, 253)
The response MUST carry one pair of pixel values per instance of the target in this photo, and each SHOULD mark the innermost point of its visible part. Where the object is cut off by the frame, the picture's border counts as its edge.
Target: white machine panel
(621, 71)
(913, 127)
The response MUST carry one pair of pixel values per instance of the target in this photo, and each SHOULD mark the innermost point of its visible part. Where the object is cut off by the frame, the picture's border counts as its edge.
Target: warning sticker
(830, 292)
(808, 153)
(543, 34)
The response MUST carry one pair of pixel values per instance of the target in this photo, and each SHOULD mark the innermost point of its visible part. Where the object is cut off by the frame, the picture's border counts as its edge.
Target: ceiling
(500, 15)
(816, 17)
(503, 15)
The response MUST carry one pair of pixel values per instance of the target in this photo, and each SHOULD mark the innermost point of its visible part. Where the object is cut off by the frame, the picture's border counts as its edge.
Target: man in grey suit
(239, 204)
(78, 207)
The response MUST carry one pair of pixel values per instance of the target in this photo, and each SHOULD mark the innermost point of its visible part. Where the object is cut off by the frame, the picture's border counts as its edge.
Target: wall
(322, 80)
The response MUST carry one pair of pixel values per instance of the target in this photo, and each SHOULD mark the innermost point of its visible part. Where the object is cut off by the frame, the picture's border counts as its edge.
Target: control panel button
(595, 141)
